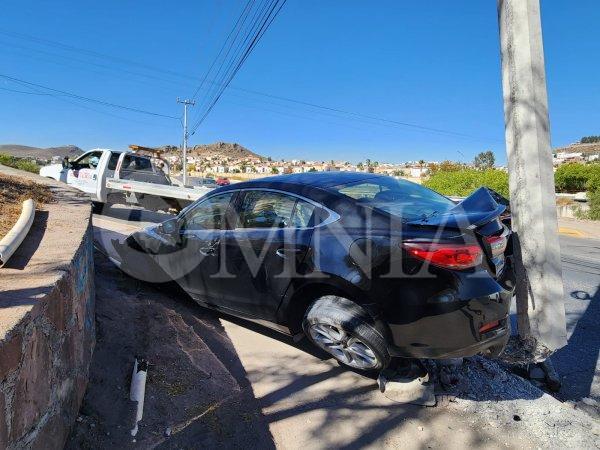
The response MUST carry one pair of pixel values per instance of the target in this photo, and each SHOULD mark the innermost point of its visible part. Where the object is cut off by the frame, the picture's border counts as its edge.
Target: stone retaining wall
(47, 331)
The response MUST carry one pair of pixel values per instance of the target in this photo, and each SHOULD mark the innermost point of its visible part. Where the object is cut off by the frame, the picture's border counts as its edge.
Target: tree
(274, 170)
(485, 160)
(312, 169)
(589, 139)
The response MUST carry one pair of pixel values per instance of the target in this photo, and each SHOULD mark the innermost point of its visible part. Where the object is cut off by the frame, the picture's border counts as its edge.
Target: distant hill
(586, 149)
(224, 149)
(24, 151)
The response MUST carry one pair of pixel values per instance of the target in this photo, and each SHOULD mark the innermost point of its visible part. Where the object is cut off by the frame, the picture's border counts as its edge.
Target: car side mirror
(170, 226)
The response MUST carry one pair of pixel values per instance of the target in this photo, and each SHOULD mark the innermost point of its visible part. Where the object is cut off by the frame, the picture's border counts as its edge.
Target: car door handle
(209, 249)
(285, 252)
(206, 251)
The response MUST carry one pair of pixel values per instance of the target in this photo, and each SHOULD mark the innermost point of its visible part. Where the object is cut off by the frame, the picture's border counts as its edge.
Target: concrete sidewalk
(311, 402)
(579, 228)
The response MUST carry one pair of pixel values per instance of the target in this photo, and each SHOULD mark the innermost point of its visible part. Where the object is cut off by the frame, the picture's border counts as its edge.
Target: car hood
(51, 170)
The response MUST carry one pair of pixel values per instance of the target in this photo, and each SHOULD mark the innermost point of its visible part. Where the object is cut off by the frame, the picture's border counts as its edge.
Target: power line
(205, 80)
(22, 92)
(88, 99)
(243, 14)
(217, 85)
(266, 21)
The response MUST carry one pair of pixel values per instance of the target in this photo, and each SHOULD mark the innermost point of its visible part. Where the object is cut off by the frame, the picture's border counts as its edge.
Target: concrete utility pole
(185, 103)
(540, 298)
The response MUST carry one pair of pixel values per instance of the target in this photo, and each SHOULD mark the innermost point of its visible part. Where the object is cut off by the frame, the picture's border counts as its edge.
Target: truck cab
(84, 171)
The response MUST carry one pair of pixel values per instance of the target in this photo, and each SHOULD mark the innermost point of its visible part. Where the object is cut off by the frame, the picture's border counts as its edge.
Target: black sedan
(368, 267)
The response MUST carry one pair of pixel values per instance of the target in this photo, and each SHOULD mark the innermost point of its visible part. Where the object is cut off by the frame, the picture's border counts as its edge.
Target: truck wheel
(344, 330)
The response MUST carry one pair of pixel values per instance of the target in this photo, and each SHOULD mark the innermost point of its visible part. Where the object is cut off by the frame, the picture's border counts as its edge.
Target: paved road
(578, 362)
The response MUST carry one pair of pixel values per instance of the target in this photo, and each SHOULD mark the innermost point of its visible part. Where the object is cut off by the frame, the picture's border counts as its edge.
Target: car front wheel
(344, 330)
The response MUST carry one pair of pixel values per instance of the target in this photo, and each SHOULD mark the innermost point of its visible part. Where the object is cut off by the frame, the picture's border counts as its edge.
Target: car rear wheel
(344, 330)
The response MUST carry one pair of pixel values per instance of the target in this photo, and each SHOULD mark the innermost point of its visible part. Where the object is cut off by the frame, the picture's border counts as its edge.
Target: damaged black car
(367, 267)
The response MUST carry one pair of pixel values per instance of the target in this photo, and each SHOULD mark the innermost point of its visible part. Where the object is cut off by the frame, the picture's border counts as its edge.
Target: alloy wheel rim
(344, 347)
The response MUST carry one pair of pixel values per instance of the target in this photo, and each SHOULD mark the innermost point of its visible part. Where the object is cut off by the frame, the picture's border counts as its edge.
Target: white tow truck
(132, 177)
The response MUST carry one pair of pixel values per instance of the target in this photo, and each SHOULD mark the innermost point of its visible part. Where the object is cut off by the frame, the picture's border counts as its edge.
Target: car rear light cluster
(497, 244)
(451, 256)
(489, 326)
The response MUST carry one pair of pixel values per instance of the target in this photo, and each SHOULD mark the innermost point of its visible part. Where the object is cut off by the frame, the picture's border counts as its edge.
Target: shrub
(573, 177)
(593, 182)
(594, 200)
(19, 163)
(445, 166)
(463, 182)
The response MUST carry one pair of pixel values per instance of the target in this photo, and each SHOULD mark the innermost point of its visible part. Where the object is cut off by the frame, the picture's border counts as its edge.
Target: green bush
(462, 182)
(573, 177)
(593, 183)
(594, 201)
(19, 163)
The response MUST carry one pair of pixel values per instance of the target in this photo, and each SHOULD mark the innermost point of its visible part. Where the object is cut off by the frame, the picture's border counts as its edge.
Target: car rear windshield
(404, 199)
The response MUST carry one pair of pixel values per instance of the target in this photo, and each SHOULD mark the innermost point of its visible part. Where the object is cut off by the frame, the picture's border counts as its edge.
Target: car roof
(316, 179)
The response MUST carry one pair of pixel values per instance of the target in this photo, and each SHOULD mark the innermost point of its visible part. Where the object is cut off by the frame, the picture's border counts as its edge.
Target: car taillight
(451, 256)
(497, 244)
(489, 326)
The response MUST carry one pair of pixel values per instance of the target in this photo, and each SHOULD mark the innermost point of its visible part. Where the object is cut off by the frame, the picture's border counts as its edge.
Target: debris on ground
(408, 385)
(484, 387)
(13, 192)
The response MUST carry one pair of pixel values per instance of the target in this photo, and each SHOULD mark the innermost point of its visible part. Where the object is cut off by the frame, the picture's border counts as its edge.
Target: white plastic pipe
(137, 390)
(14, 238)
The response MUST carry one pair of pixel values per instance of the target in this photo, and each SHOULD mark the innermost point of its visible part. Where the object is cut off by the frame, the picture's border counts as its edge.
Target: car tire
(346, 331)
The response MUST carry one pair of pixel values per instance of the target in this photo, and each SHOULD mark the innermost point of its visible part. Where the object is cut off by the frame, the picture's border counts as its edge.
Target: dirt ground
(13, 191)
(197, 393)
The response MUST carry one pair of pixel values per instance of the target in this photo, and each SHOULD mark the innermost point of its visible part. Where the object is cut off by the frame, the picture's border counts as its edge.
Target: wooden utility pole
(540, 298)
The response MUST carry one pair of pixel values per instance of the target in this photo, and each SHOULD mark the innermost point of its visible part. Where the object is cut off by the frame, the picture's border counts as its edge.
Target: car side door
(83, 172)
(201, 232)
(264, 250)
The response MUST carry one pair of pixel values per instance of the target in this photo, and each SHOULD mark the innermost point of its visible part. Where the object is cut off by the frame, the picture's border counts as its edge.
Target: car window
(209, 214)
(112, 162)
(263, 209)
(303, 214)
(137, 164)
(399, 197)
(88, 161)
(362, 190)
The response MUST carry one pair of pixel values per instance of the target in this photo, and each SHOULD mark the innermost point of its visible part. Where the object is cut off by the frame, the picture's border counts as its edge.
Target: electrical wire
(346, 113)
(88, 99)
(266, 21)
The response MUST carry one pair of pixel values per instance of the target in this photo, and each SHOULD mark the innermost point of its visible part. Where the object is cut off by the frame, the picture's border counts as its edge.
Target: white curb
(15, 236)
(137, 390)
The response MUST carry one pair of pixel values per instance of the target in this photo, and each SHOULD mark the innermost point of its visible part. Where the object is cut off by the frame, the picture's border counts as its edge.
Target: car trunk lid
(481, 216)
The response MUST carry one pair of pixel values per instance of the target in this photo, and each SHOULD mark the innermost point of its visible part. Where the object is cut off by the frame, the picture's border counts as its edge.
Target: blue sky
(435, 64)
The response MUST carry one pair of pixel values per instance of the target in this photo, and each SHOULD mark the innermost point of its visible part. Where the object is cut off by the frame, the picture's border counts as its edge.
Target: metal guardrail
(15, 236)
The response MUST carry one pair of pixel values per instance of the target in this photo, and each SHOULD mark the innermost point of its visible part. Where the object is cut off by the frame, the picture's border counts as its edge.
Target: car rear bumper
(452, 329)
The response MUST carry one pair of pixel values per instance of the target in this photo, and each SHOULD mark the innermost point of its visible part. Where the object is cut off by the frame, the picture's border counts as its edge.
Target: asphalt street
(578, 363)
